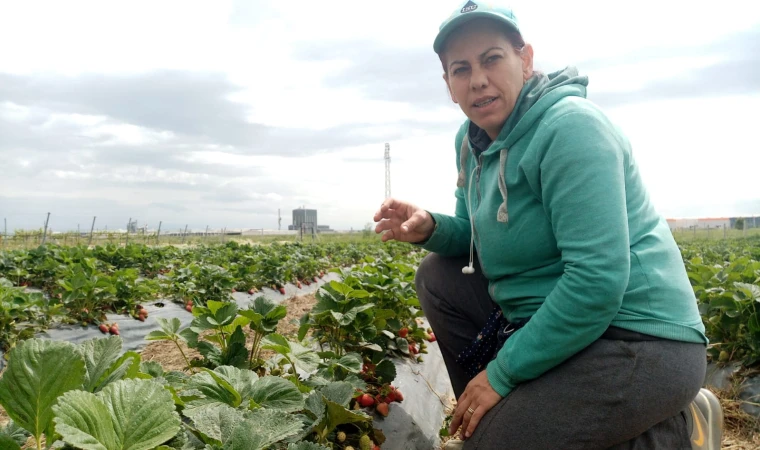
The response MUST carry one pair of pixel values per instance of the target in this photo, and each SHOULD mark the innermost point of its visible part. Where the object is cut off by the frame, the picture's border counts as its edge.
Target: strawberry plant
(264, 315)
(20, 314)
(727, 288)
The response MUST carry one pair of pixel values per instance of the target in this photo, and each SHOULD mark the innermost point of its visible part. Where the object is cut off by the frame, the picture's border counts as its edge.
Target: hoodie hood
(538, 94)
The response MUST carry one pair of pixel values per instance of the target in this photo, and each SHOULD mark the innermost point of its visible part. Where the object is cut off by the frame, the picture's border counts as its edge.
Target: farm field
(235, 372)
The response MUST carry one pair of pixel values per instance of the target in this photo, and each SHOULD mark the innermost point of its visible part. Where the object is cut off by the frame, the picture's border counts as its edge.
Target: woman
(596, 341)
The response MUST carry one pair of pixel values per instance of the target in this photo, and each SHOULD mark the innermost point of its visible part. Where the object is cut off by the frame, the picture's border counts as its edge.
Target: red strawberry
(234, 290)
(298, 284)
(391, 397)
(403, 332)
(139, 307)
(251, 291)
(382, 409)
(189, 308)
(103, 328)
(413, 349)
(399, 396)
(316, 280)
(282, 290)
(114, 329)
(321, 274)
(366, 400)
(432, 337)
(377, 447)
(141, 318)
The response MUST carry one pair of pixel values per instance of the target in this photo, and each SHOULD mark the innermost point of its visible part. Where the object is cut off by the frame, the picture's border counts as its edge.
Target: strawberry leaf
(39, 371)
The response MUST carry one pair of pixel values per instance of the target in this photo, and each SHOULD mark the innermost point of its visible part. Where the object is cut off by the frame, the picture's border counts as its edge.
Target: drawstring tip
(501, 215)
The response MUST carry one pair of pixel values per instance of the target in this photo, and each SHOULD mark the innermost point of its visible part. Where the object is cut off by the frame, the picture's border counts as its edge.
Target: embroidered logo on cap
(469, 7)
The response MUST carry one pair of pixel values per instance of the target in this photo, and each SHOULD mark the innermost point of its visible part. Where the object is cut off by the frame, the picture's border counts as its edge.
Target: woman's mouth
(485, 102)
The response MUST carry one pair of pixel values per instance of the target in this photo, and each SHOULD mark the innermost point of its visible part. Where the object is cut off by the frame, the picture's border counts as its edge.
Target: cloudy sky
(222, 112)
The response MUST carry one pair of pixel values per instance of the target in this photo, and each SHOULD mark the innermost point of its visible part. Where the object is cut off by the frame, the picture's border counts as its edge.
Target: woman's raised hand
(403, 222)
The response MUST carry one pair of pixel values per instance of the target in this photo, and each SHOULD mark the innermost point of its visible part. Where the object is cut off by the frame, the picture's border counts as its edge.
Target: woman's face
(485, 73)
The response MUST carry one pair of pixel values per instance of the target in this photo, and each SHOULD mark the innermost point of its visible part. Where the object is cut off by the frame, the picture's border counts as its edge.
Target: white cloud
(336, 80)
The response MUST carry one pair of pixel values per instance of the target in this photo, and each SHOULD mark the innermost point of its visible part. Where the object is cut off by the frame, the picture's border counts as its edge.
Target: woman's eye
(459, 70)
(492, 58)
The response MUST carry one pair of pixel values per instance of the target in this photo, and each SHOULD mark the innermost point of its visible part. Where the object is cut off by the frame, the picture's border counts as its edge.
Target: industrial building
(713, 222)
(306, 219)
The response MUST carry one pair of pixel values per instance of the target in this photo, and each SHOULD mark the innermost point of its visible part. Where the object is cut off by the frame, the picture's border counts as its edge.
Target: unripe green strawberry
(365, 443)
(341, 436)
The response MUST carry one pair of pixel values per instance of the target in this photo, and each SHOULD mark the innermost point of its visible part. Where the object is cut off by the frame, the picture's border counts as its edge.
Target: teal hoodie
(564, 231)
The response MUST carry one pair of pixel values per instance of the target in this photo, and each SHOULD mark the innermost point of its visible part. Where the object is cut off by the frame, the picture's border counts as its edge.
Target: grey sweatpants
(614, 394)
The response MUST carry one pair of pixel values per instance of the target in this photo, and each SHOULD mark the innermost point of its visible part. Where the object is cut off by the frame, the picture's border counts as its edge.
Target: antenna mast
(387, 170)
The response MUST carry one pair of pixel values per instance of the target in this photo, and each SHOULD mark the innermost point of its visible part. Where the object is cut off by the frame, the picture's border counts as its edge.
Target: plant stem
(176, 342)
(254, 347)
(224, 339)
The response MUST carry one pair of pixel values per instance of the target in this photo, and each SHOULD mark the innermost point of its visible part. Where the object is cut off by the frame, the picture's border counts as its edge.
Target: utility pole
(387, 170)
(279, 220)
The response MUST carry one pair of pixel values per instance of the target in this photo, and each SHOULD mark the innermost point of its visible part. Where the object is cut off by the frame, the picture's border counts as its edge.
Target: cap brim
(456, 22)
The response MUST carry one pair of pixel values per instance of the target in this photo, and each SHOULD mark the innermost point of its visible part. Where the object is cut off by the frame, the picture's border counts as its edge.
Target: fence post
(44, 235)
(5, 231)
(184, 234)
(158, 233)
(92, 229)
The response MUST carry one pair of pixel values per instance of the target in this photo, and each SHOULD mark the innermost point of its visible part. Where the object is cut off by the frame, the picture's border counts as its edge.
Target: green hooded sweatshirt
(564, 231)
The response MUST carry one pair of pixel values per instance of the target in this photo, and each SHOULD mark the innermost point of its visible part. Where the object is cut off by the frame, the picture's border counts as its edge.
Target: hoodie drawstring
(501, 214)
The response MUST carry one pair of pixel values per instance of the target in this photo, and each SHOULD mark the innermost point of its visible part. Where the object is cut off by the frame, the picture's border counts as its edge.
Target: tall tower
(387, 170)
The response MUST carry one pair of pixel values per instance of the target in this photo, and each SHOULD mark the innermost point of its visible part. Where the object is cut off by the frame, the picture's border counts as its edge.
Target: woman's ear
(527, 61)
(448, 87)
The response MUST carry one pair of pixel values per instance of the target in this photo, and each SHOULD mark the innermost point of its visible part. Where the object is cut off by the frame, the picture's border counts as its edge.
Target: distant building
(712, 222)
(306, 219)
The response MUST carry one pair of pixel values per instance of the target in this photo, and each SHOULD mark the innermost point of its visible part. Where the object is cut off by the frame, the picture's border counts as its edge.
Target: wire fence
(27, 239)
(713, 233)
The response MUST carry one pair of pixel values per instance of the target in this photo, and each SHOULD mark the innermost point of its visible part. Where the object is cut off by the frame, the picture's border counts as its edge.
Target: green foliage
(81, 284)
(726, 281)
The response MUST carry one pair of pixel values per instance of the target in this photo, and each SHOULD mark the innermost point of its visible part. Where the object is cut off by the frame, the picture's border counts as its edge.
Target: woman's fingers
(459, 413)
(471, 421)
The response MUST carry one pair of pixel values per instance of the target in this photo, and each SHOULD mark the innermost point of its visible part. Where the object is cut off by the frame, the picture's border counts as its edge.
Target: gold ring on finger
(470, 410)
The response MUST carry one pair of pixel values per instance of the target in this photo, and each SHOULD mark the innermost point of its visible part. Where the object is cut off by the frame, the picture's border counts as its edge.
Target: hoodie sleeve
(451, 236)
(582, 162)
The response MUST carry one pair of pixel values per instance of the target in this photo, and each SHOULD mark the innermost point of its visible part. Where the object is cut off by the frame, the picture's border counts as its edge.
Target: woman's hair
(513, 36)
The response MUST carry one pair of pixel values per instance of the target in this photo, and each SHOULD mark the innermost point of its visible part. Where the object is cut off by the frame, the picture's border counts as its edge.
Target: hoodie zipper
(475, 228)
